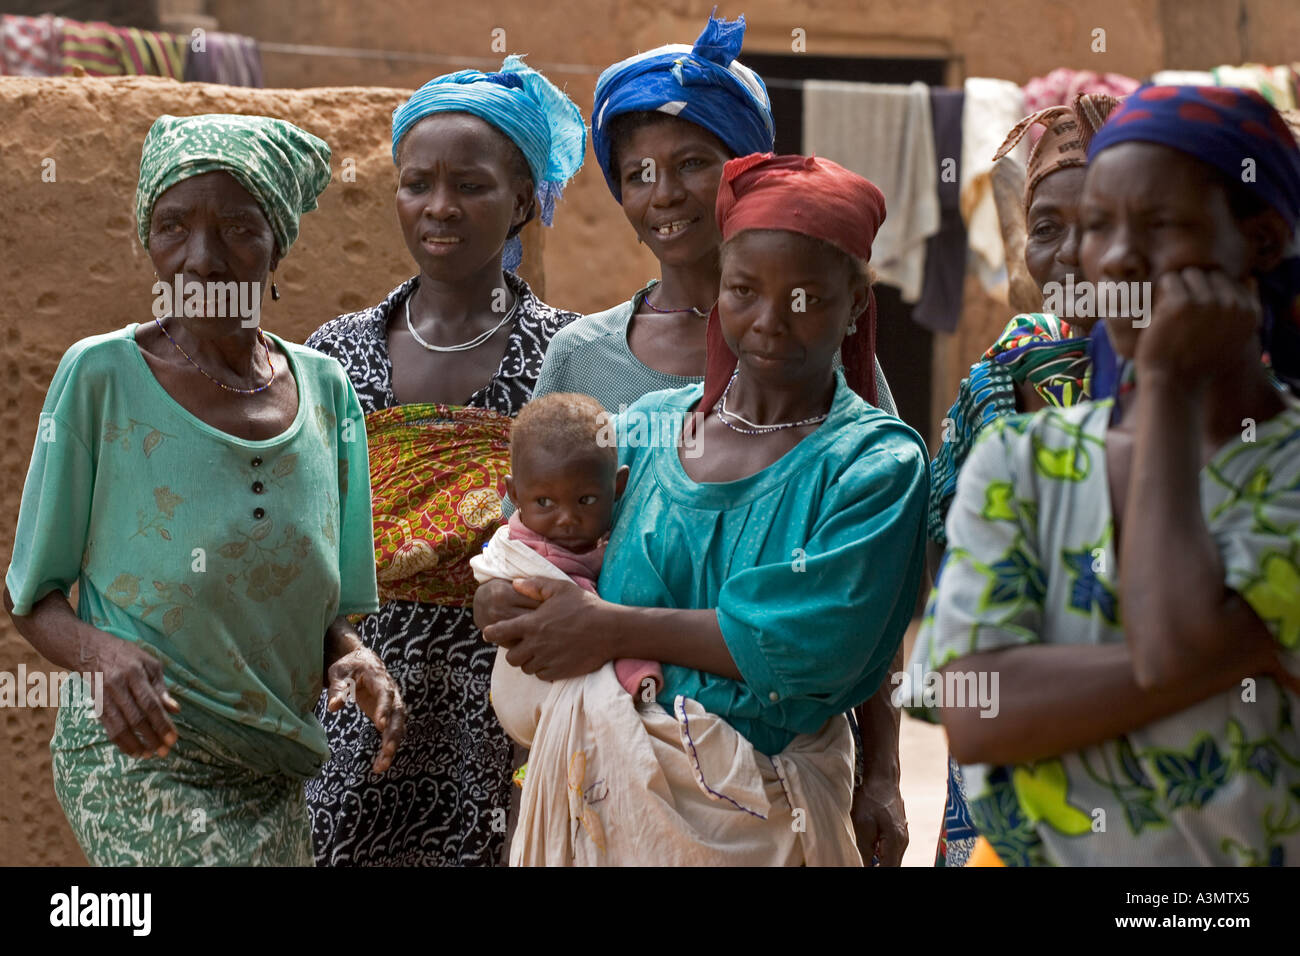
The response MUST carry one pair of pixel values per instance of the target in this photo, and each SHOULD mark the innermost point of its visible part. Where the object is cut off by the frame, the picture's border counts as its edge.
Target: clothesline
(580, 69)
(459, 62)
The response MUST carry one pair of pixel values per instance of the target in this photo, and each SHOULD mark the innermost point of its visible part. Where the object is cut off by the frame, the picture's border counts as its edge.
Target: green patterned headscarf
(283, 167)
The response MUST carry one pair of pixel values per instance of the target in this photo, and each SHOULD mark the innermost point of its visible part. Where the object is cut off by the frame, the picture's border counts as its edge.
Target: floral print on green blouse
(1032, 559)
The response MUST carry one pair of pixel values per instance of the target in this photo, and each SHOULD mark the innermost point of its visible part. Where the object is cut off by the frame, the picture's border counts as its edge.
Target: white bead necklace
(754, 427)
(464, 346)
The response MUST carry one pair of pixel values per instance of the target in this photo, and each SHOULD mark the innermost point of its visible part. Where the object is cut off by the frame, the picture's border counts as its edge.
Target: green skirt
(198, 806)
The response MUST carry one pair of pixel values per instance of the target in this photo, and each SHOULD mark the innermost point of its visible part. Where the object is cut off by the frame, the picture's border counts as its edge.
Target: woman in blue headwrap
(1129, 569)
(664, 123)
(441, 366)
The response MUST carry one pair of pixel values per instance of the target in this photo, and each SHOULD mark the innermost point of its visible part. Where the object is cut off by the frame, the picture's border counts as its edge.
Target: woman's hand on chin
(563, 637)
(1201, 318)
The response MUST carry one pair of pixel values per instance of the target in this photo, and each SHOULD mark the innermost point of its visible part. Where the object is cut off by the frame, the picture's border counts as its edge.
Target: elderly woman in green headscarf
(206, 485)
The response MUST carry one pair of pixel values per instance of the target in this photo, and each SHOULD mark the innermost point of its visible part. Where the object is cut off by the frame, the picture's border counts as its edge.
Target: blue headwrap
(536, 115)
(1223, 127)
(704, 84)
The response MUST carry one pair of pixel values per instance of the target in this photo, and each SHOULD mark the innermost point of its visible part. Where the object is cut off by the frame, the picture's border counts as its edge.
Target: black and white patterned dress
(444, 800)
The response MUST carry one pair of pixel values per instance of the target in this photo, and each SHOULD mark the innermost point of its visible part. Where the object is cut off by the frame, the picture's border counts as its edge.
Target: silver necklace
(464, 346)
(754, 427)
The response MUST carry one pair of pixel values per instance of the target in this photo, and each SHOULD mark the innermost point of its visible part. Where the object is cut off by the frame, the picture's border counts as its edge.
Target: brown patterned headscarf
(1067, 132)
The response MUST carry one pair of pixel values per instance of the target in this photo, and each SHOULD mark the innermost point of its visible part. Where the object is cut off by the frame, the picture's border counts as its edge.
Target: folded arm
(1056, 698)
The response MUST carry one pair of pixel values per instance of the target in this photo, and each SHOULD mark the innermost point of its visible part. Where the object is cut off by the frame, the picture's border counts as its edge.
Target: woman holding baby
(740, 570)
(663, 124)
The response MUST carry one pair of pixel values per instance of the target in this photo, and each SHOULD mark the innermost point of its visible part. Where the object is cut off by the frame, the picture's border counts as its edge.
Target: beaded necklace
(229, 388)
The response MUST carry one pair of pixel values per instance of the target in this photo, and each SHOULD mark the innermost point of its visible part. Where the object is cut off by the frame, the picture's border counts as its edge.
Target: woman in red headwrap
(664, 122)
(739, 559)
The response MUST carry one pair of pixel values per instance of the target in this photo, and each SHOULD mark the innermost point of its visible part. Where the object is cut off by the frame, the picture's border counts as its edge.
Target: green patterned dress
(225, 558)
(1031, 559)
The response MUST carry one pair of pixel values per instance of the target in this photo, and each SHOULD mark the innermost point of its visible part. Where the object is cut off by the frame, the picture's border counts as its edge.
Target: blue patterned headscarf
(704, 84)
(535, 114)
(1223, 127)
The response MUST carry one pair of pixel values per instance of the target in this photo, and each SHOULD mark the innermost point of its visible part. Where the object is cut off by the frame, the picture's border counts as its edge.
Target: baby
(563, 484)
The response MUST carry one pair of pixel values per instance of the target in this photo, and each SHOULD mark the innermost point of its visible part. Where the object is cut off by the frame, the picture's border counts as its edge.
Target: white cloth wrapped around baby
(611, 783)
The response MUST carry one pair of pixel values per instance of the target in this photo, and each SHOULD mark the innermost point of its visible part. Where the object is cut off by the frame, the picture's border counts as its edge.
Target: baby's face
(567, 499)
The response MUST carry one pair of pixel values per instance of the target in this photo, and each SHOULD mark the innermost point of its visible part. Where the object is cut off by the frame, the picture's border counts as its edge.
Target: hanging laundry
(92, 48)
(1292, 118)
(1275, 83)
(991, 108)
(150, 53)
(939, 308)
(1060, 87)
(227, 58)
(29, 46)
(883, 132)
(1183, 78)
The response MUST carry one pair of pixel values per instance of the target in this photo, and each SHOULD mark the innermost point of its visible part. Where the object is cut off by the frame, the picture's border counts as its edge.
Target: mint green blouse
(225, 558)
(813, 564)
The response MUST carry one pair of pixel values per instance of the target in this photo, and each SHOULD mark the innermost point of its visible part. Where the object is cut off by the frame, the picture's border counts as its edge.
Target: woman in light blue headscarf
(440, 367)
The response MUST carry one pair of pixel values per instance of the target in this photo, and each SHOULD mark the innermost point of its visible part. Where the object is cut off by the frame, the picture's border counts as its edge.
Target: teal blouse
(225, 558)
(813, 563)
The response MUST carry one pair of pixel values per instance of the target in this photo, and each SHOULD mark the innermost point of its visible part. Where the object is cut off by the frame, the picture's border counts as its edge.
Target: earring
(851, 329)
(275, 293)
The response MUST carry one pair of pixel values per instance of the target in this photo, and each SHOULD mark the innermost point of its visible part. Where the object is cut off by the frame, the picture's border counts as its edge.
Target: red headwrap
(813, 197)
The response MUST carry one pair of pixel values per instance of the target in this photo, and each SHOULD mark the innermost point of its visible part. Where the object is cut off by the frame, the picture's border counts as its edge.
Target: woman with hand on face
(1128, 567)
(1039, 360)
(441, 366)
(205, 485)
(741, 570)
(664, 123)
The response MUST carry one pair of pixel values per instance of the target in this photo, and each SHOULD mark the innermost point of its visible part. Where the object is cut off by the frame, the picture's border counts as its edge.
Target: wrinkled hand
(880, 823)
(135, 698)
(496, 601)
(1200, 318)
(558, 639)
(361, 676)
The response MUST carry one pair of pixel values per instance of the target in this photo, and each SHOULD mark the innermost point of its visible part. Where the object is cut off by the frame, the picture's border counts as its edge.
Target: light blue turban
(524, 105)
(544, 123)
